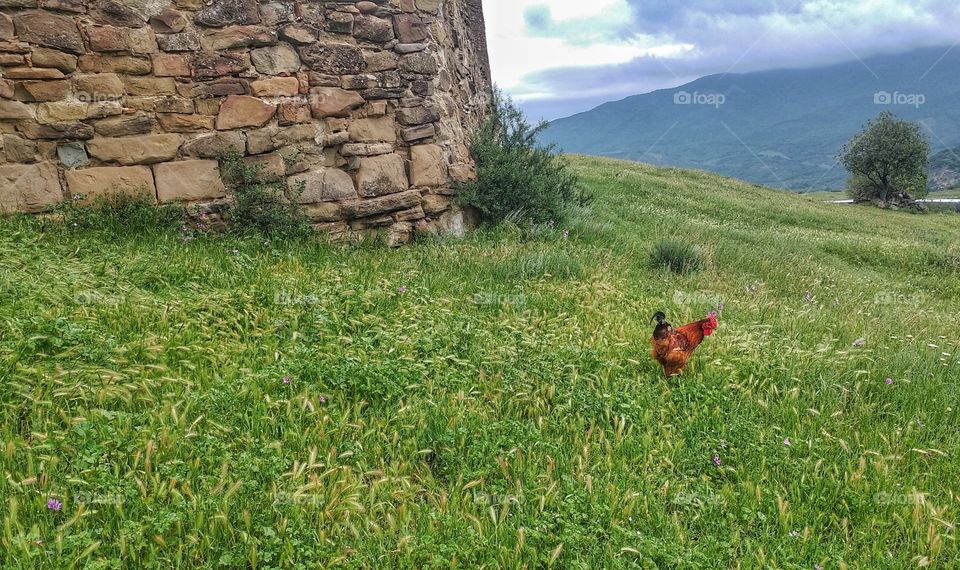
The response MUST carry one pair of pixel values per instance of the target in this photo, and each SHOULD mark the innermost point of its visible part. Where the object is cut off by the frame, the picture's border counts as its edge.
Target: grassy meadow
(490, 402)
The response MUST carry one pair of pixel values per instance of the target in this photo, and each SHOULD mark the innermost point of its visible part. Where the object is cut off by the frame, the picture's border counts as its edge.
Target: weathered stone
(340, 23)
(12, 60)
(422, 63)
(48, 30)
(382, 204)
(409, 28)
(14, 111)
(56, 131)
(177, 123)
(6, 28)
(213, 146)
(276, 13)
(184, 41)
(275, 60)
(46, 57)
(149, 86)
(381, 61)
(409, 48)
(14, 47)
(115, 13)
(29, 188)
(272, 138)
(376, 108)
(32, 73)
(93, 183)
(19, 149)
(115, 64)
(7, 89)
(434, 204)
(239, 37)
(240, 111)
(373, 130)
(214, 65)
(431, 6)
(72, 155)
(275, 87)
(113, 39)
(98, 86)
(144, 149)
(413, 116)
(325, 185)
(380, 175)
(325, 212)
(333, 102)
(316, 79)
(169, 21)
(270, 167)
(336, 59)
(188, 180)
(124, 125)
(227, 12)
(61, 111)
(373, 29)
(389, 79)
(293, 111)
(171, 65)
(366, 149)
(75, 6)
(220, 88)
(44, 90)
(298, 34)
(428, 167)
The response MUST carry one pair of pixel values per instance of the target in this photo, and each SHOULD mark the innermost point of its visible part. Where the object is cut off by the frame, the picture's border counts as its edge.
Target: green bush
(261, 205)
(120, 214)
(517, 179)
(677, 256)
(889, 159)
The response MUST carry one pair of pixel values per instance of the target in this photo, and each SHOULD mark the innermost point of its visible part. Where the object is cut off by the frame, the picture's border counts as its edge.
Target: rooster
(672, 347)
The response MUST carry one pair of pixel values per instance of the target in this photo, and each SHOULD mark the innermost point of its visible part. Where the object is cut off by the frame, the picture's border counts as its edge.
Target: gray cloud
(737, 36)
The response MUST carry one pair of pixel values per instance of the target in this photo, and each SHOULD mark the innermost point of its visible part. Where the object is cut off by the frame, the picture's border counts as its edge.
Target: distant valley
(778, 128)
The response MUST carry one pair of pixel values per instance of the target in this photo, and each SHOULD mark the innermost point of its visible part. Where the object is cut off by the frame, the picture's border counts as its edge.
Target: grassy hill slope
(490, 402)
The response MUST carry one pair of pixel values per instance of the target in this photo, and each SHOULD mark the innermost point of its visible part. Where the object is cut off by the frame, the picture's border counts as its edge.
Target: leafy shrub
(120, 214)
(261, 205)
(677, 256)
(516, 177)
(887, 160)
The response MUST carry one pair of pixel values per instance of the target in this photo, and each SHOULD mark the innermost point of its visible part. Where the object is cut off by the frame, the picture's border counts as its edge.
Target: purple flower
(323, 400)
(889, 381)
(54, 505)
(77, 197)
(787, 442)
(720, 308)
(716, 460)
(402, 290)
(860, 342)
(287, 379)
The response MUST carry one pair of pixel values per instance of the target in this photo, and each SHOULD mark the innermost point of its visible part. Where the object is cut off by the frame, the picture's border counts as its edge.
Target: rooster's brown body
(673, 347)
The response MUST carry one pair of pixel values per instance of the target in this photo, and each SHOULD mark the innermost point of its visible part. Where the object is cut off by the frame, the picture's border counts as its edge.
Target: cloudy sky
(559, 57)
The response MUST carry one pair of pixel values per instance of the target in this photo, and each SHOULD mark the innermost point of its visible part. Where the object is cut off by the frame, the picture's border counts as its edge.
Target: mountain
(945, 170)
(779, 128)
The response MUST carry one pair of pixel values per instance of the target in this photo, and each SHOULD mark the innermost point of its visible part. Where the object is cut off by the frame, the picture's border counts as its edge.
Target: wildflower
(402, 290)
(723, 443)
(77, 197)
(817, 567)
(889, 381)
(323, 400)
(860, 342)
(54, 505)
(794, 534)
(566, 234)
(720, 308)
(808, 297)
(836, 302)
(287, 379)
(787, 442)
(716, 460)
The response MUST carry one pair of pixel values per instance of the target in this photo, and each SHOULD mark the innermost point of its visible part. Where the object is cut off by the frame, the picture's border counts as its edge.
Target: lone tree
(888, 161)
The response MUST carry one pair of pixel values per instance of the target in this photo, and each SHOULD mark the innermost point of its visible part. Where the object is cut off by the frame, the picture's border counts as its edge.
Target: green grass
(489, 402)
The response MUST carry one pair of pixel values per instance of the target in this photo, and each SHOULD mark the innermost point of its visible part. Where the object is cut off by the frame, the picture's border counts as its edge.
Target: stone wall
(367, 104)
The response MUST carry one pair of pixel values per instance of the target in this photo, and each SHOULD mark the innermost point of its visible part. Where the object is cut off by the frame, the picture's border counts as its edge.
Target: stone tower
(367, 104)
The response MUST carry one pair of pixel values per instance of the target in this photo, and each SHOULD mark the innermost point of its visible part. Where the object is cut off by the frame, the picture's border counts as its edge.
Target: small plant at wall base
(260, 204)
(119, 213)
(888, 162)
(517, 179)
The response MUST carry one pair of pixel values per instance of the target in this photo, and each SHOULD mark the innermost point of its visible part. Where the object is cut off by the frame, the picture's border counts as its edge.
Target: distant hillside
(778, 128)
(945, 170)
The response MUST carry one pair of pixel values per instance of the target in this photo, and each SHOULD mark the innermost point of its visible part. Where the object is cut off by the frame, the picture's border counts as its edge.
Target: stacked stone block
(368, 105)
